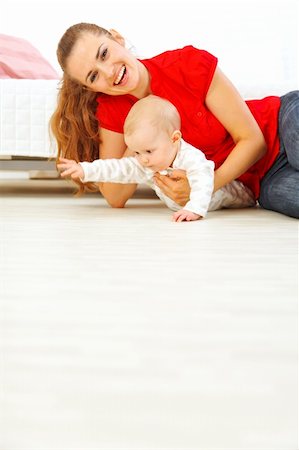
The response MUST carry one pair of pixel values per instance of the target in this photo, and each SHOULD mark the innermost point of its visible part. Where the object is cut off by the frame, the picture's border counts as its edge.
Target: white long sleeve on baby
(200, 174)
(124, 170)
(199, 171)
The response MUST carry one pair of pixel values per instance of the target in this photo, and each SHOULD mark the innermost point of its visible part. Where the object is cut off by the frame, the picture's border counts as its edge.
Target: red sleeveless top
(183, 77)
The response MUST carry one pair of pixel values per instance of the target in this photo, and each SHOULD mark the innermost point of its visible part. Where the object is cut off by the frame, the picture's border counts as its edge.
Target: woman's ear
(176, 136)
(118, 37)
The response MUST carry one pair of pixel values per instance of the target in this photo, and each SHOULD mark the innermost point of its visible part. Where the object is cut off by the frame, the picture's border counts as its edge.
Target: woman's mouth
(120, 76)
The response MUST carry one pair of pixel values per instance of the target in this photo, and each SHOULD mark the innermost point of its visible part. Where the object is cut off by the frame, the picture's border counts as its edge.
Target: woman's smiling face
(103, 64)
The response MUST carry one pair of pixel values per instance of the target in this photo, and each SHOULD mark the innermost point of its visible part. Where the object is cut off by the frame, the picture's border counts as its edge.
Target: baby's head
(152, 132)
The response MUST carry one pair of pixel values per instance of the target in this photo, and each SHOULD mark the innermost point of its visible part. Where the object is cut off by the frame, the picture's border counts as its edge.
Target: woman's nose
(105, 69)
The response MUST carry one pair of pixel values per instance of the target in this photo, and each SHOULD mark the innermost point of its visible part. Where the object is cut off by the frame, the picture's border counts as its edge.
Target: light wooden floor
(123, 330)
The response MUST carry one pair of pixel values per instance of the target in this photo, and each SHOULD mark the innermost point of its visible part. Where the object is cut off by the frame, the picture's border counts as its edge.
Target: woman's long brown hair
(74, 123)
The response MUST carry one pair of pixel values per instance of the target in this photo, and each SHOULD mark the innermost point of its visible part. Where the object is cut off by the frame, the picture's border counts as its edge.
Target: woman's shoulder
(173, 54)
(187, 55)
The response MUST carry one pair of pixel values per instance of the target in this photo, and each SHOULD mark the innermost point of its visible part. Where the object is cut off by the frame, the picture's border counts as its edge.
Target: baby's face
(154, 149)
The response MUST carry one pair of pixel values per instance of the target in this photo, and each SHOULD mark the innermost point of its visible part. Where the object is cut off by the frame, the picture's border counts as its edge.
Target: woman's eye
(103, 55)
(93, 77)
(148, 151)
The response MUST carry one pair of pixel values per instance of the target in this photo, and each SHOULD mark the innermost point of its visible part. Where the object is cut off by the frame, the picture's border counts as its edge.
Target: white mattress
(25, 110)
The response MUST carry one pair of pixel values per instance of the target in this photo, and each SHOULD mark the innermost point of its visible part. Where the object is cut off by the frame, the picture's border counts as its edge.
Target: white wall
(256, 42)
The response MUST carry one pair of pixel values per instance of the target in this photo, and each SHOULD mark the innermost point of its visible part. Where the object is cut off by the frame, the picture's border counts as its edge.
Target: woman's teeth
(120, 75)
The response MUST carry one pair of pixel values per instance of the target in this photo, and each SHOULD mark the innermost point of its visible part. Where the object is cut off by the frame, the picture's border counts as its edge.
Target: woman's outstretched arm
(113, 146)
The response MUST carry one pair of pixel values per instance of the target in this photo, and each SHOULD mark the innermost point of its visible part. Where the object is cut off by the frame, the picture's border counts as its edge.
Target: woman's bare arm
(113, 146)
(227, 105)
(224, 101)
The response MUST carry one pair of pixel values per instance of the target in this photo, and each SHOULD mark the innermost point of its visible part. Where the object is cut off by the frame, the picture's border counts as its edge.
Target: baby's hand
(70, 168)
(183, 214)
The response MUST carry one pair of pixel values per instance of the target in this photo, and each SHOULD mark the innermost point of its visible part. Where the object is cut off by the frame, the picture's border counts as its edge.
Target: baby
(152, 133)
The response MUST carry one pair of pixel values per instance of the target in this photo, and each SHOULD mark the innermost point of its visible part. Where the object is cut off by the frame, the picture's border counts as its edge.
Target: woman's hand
(174, 185)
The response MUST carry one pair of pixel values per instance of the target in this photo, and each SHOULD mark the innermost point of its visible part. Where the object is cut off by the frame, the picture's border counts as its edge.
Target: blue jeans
(280, 185)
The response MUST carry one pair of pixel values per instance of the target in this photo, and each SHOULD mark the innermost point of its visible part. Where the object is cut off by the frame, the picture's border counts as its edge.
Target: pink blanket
(19, 59)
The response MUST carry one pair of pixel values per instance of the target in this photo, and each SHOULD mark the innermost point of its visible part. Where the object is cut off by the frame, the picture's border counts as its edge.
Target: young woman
(256, 142)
